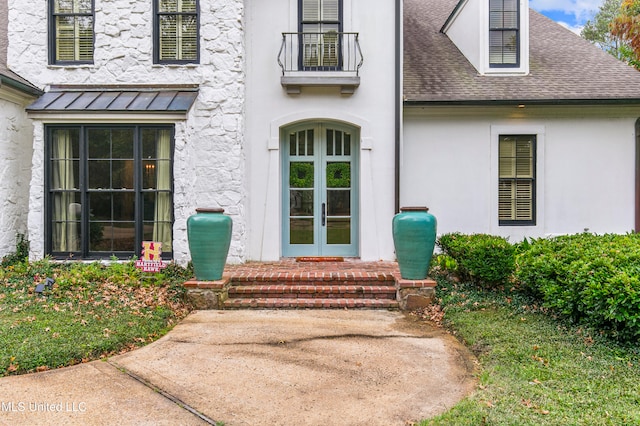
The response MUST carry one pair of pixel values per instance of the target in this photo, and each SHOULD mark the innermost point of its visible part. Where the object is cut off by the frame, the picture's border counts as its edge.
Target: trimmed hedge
(593, 279)
(481, 258)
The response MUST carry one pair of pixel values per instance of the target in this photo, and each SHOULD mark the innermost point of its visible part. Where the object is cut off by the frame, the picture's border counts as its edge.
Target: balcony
(323, 59)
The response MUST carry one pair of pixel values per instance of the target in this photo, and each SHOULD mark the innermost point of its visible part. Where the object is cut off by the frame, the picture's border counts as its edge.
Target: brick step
(309, 303)
(325, 291)
(320, 280)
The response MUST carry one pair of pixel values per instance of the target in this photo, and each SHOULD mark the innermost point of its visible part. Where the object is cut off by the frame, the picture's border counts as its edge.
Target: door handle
(324, 214)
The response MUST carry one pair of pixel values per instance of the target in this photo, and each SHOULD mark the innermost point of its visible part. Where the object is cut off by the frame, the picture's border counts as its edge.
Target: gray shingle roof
(564, 68)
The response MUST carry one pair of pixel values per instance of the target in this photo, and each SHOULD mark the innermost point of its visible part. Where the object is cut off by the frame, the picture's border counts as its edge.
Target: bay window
(108, 189)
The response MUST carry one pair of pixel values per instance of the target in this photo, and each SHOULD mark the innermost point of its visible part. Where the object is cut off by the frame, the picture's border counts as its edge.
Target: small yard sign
(151, 257)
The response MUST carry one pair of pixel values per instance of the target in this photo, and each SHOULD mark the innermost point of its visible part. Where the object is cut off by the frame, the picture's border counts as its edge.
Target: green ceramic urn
(414, 238)
(209, 234)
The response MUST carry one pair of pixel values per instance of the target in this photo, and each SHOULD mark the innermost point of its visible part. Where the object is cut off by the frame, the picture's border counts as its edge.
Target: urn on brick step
(414, 238)
(209, 234)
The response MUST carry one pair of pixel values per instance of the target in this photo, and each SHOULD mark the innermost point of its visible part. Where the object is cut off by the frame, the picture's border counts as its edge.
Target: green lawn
(92, 311)
(537, 369)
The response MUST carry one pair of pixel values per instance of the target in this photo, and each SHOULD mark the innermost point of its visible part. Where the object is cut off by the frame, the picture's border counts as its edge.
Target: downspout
(398, 102)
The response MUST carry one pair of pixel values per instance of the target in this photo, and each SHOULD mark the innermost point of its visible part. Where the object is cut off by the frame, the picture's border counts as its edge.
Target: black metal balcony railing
(324, 51)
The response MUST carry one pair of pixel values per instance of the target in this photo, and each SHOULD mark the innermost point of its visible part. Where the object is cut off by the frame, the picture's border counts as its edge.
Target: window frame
(156, 34)
(84, 192)
(321, 22)
(53, 39)
(532, 179)
(502, 30)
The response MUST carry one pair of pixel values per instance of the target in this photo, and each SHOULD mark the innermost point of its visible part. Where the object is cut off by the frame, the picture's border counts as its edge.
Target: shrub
(483, 259)
(20, 255)
(593, 279)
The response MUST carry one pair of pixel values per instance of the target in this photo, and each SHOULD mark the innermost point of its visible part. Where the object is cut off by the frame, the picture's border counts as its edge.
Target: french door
(320, 190)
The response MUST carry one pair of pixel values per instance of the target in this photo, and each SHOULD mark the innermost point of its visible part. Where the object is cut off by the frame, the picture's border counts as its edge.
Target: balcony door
(320, 28)
(320, 190)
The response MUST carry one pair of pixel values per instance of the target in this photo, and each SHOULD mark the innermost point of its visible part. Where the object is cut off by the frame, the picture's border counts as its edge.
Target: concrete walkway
(306, 367)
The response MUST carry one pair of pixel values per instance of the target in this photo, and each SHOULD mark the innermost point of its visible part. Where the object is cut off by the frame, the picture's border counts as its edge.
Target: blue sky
(570, 13)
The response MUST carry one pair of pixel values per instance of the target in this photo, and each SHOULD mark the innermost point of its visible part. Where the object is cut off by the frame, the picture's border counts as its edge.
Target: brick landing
(311, 284)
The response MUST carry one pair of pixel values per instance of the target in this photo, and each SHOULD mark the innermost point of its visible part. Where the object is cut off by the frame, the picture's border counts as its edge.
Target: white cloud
(582, 10)
(573, 28)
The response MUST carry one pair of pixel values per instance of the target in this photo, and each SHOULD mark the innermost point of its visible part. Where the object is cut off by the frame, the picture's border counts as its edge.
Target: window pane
(158, 223)
(122, 143)
(124, 206)
(301, 174)
(310, 10)
(65, 165)
(310, 139)
(339, 174)
(149, 174)
(122, 174)
(63, 6)
(168, 37)
(177, 6)
(84, 38)
(505, 201)
(302, 144)
(338, 231)
(99, 144)
(301, 231)
(339, 203)
(168, 6)
(510, 47)
(330, 142)
(495, 20)
(111, 236)
(301, 202)
(100, 207)
(99, 172)
(293, 145)
(72, 6)
(66, 215)
(188, 37)
(112, 222)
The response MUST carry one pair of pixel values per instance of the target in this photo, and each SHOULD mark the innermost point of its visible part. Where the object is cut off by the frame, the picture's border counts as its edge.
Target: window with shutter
(504, 33)
(176, 38)
(516, 191)
(320, 27)
(71, 31)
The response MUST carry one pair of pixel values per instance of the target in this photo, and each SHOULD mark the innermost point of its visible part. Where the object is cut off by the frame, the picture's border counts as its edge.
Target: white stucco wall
(15, 170)
(585, 168)
(209, 154)
(468, 29)
(465, 30)
(370, 108)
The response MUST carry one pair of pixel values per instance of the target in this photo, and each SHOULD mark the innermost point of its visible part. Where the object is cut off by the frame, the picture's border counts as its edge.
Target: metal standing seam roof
(126, 100)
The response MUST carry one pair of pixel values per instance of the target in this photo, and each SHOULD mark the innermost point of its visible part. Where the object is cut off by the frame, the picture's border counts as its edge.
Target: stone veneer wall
(15, 173)
(209, 153)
